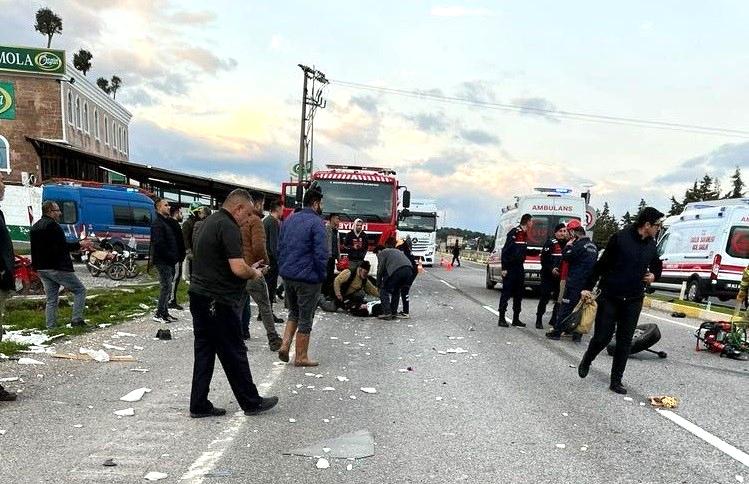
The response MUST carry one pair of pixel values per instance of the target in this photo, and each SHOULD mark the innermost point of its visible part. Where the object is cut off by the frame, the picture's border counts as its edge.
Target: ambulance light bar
(553, 190)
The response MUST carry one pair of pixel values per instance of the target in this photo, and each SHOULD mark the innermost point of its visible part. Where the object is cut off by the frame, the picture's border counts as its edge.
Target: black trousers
(175, 284)
(327, 288)
(392, 286)
(456, 257)
(618, 315)
(218, 332)
(513, 286)
(271, 279)
(549, 291)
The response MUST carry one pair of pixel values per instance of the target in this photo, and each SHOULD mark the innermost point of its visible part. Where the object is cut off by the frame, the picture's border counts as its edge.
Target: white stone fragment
(368, 389)
(29, 361)
(135, 395)
(155, 476)
(128, 412)
(561, 446)
(322, 463)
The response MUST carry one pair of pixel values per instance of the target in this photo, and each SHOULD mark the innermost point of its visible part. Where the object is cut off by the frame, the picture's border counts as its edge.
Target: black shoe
(518, 323)
(246, 336)
(169, 318)
(275, 343)
(278, 320)
(502, 322)
(577, 338)
(539, 323)
(618, 388)
(176, 306)
(214, 412)
(266, 404)
(259, 317)
(583, 368)
(78, 323)
(554, 335)
(6, 396)
(386, 317)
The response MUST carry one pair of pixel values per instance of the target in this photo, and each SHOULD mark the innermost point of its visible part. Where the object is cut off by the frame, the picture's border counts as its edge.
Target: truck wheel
(694, 293)
(489, 283)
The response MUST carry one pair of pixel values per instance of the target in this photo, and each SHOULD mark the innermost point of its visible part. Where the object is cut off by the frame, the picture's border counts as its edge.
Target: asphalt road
(509, 409)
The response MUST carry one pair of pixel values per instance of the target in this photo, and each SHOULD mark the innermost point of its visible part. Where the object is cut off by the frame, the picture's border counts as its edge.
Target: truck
(369, 193)
(549, 206)
(419, 223)
(706, 247)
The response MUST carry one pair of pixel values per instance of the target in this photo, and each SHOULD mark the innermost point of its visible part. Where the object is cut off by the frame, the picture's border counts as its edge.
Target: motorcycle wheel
(131, 273)
(117, 271)
(94, 272)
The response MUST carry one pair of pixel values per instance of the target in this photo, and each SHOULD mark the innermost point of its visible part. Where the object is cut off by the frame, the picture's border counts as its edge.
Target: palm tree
(114, 85)
(48, 23)
(82, 61)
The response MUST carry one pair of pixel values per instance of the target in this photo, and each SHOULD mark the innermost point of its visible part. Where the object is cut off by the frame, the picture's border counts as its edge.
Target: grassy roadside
(103, 306)
(674, 300)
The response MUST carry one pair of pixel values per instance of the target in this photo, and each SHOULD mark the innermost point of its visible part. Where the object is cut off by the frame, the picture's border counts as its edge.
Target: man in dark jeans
(164, 256)
(217, 294)
(331, 228)
(629, 263)
(175, 218)
(394, 274)
(272, 224)
(513, 271)
(50, 256)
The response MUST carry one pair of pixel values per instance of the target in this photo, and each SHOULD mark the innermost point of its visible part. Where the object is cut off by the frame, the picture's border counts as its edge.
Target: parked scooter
(99, 257)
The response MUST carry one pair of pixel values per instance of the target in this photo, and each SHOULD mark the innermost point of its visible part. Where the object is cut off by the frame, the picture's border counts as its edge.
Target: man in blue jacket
(303, 253)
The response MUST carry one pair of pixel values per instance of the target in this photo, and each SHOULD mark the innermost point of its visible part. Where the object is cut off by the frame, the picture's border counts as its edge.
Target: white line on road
(711, 439)
(447, 284)
(491, 310)
(208, 459)
(669, 321)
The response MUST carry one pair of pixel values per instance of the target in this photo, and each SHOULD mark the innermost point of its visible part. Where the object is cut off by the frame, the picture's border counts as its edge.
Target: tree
(676, 206)
(114, 85)
(707, 189)
(82, 61)
(641, 206)
(605, 227)
(737, 185)
(48, 23)
(626, 219)
(103, 84)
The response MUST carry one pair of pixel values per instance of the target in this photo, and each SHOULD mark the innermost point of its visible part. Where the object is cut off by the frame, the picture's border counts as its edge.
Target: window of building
(106, 130)
(86, 126)
(4, 154)
(78, 112)
(70, 108)
(125, 147)
(114, 135)
(122, 140)
(96, 123)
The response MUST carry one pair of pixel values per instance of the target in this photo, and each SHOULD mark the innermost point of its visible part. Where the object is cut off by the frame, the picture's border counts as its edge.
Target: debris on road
(122, 333)
(628, 399)
(292, 420)
(353, 445)
(140, 370)
(9, 379)
(29, 361)
(561, 446)
(164, 334)
(678, 314)
(155, 476)
(97, 355)
(342, 378)
(457, 350)
(135, 395)
(127, 412)
(349, 467)
(328, 389)
(368, 389)
(69, 356)
(109, 463)
(322, 463)
(113, 347)
(664, 401)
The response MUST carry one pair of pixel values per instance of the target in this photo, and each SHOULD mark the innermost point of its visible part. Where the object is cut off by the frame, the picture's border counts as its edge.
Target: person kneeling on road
(394, 275)
(217, 294)
(352, 287)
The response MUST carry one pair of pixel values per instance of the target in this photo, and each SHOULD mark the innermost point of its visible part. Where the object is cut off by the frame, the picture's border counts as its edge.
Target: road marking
(670, 321)
(711, 439)
(491, 310)
(447, 284)
(216, 449)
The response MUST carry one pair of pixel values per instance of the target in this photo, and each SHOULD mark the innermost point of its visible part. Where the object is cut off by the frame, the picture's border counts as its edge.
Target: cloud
(477, 91)
(366, 103)
(445, 163)
(358, 123)
(200, 18)
(721, 162)
(203, 59)
(460, 11)
(479, 137)
(536, 106)
(433, 123)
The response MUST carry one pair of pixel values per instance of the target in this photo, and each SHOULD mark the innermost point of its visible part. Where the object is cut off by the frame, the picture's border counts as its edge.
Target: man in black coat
(7, 279)
(551, 259)
(175, 218)
(513, 272)
(629, 264)
(164, 256)
(50, 256)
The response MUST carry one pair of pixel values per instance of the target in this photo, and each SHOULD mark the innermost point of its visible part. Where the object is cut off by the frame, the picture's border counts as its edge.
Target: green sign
(38, 61)
(7, 101)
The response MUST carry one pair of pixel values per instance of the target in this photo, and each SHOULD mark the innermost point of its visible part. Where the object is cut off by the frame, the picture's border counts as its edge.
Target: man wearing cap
(551, 259)
(629, 264)
(196, 213)
(580, 254)
(513, 273)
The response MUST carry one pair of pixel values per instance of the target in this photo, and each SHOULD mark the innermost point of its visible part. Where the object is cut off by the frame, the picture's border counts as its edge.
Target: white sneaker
(159, 319)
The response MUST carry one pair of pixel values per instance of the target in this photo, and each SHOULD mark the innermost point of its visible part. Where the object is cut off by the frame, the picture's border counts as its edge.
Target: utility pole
(311, 97)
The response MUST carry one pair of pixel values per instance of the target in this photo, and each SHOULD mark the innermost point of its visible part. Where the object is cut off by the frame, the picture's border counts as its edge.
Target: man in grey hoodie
(394, 273)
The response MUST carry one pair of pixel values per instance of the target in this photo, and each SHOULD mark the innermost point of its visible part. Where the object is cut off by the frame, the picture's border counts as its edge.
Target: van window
(122, 215)
(141, 217)
(738, 242)
(69, 212)
(662, 245)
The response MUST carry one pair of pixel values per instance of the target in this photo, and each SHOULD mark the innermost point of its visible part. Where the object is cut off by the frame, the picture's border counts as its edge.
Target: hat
(574, 224)
(559, 227)
(195, 206)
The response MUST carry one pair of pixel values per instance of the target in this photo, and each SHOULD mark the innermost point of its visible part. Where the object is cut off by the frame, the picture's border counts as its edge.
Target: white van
(706, 246)
(549, 207)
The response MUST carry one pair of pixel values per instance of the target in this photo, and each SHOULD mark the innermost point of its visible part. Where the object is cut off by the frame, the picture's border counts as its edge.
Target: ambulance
(706, 247)
(549, 207)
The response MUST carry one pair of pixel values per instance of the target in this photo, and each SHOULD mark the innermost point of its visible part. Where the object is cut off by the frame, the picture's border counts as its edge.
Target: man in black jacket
(513, 271)
(7, 280)
(175, 217)
(629, 264)
(272, 224)
(551, 260)
(50, 256)
(356, 244)
(164, 256)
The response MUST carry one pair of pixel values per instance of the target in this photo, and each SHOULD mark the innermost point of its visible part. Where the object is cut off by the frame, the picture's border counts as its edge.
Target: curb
(691, 312)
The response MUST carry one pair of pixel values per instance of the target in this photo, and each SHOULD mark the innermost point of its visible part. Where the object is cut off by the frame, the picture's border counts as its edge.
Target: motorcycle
(100, 257)
(27, 279)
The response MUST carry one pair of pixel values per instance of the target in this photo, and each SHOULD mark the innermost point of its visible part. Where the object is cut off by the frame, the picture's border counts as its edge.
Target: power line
(579, 116)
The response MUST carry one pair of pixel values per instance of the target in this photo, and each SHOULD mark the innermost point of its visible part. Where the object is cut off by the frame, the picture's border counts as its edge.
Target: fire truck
(368, 193)
(549, 207)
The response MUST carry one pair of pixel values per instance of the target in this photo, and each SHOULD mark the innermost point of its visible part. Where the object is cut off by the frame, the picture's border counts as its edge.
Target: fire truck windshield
(418, 222)
(371, 202)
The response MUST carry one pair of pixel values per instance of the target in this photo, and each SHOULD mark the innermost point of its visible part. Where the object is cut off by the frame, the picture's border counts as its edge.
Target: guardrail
(471, 255)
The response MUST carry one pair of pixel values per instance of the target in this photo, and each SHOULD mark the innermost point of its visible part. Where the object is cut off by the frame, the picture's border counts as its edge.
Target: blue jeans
(166, 279)
(52, 280)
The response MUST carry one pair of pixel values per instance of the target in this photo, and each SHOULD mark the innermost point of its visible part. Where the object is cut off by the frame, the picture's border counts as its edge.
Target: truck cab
(419, 225)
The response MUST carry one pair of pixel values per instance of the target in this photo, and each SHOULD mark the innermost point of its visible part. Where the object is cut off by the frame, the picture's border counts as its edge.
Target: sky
(215, 90)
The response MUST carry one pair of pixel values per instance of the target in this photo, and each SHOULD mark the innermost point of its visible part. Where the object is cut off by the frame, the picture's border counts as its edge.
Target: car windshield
(543, 228)
(371, 202)
(738, 242)
(418, 222)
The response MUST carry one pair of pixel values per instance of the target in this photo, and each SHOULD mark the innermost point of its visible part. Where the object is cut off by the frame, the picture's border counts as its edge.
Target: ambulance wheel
(489, 283)
(694, 293)
(646, 335)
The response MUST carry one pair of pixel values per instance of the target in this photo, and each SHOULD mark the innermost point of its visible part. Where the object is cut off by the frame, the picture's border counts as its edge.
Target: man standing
(394, 274)
(356, 243)
(175, 218)
(164, 256)
(352, 285)
(50, 256)
(331, 227)
(272, 225)
(551, 259)
(629, 264)
(196, 213)
(254, 251)
(217, 294)
(580, 254)
(513, 273)
(456, 253)
(303, 252)
(7, 279)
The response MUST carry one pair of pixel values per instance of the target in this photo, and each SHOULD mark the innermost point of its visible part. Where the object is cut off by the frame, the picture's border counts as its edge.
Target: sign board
(35, 61)
(7, 101)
